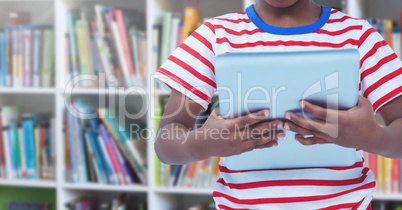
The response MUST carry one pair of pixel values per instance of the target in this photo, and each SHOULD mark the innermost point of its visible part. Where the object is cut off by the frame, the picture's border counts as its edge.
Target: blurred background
(79, 110)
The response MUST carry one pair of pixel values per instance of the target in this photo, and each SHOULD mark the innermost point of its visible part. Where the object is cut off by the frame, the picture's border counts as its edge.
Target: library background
(63, 144)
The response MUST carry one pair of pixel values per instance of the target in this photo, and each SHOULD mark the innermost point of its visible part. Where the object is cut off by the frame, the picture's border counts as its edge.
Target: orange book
(191, 174)
(191, 19)
(388, 32)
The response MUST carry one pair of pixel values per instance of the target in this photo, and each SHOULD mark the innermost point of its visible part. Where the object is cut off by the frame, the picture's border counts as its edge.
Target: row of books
(122, 202)
(99, 150)
(387, 172)
(201, 174)
(114, 43)
(390, 31)
(27, 147)
(26, 53)
(172, 31)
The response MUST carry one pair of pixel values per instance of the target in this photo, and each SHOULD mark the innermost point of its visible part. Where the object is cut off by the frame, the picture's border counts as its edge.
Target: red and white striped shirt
(190, 70)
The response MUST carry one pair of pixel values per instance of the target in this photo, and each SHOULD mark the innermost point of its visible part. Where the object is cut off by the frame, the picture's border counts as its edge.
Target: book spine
(73, 44)
(83, 165)
(23, 154)
(27, 126)
(10, 163)
(134, 37)
(27, 56)
(20, 56)
(72, 149)
(123, 165)
(92, 158)
(37, 58)
(109, 167)
(119, 49)
(3, 64)
(124, 41)
(98, 157)
(8, 34)
(14, 56)
(112, 155)
(395, 174)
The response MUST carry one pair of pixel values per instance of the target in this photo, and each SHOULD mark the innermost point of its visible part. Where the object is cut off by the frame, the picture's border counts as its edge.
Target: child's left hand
(349, 128)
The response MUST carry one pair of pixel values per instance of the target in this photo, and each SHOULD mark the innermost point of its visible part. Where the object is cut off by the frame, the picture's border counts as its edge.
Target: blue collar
(252, 14)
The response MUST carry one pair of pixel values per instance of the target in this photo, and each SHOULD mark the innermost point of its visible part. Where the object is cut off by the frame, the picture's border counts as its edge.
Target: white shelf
(28, 183)
(104, 187)
(394, 197)
(27, 90)
(104, 91)
(182, 190)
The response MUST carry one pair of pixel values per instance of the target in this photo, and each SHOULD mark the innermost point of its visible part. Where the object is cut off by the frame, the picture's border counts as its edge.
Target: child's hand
(227, 137)
(348, 128)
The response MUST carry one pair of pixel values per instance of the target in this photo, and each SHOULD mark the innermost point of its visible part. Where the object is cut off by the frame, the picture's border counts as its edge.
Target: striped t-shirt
(190, 70)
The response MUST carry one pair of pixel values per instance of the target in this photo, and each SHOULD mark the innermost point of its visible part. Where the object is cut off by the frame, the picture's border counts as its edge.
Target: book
(191, 19)
(18, 205)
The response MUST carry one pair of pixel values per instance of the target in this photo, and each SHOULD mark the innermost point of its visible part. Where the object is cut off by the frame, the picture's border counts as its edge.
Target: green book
(166, 36)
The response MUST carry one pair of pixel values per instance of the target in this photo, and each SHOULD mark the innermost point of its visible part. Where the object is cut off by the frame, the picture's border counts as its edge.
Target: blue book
(28, 129)
(3, 72)
(175, 175)
(109, 167)
(82, 164)
(134, 36)
(100, 165)
(72, 148)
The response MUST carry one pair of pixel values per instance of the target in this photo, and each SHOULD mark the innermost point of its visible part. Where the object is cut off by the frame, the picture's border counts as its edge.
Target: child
(282, 25)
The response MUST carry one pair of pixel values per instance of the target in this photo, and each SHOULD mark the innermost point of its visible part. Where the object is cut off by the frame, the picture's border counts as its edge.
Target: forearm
(387, 141)
(176, 144)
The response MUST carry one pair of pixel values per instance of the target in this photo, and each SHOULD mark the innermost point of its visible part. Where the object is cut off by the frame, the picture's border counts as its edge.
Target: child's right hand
(227, 137)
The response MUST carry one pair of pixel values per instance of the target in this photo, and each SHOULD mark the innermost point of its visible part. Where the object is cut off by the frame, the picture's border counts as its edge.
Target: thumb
(363, 102)
(216, 112)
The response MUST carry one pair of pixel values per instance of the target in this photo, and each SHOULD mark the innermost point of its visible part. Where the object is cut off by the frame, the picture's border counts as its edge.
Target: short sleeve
(380, 68)
(189, 69)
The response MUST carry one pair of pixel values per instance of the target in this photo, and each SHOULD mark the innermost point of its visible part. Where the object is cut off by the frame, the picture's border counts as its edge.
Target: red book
(124, 39)
(395, 176)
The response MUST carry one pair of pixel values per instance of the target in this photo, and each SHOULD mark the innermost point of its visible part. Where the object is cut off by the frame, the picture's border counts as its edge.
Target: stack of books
(390, 31)
(172, 31)
(26, 53)
(99, 150)
(27, 147)
(112, 45)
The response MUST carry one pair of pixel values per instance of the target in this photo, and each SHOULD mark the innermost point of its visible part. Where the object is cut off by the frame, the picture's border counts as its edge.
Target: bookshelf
(53, 99)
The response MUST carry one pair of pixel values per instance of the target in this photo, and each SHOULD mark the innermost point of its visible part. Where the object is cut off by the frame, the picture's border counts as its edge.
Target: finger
(249, 119)
(298, 129)
(363, 102)
(260, 129)
(264, 139)
(216, 113)
(267, 145)
(305, 122)
(310, 140)
(328, 115)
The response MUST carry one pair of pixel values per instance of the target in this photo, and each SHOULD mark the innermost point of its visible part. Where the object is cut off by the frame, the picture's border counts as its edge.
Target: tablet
(248, 82)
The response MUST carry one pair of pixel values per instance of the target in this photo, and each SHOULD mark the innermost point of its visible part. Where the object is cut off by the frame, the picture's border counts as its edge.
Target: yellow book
(191, 19)
(380, 174)
(387, 174)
